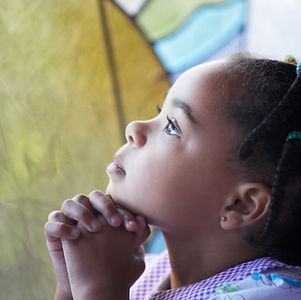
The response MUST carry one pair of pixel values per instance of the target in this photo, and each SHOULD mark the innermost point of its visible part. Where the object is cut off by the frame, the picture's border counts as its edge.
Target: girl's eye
(171, 128)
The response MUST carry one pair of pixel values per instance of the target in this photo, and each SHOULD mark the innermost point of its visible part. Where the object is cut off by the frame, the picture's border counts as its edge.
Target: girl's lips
(116, 167)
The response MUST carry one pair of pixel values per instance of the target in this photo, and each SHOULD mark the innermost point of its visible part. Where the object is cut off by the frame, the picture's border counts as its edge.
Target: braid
(278, 188)
(277, 239)
(289, 166)
(267, 107)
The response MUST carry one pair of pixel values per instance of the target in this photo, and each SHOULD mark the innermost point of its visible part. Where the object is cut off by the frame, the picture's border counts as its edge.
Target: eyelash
(170, 124)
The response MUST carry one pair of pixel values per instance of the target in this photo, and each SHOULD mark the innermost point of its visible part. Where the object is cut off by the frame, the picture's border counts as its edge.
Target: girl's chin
(121, 202)
(128, 204)
(110, 191)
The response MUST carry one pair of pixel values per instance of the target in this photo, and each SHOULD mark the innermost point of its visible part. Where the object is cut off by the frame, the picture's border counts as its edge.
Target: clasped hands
(95, 247)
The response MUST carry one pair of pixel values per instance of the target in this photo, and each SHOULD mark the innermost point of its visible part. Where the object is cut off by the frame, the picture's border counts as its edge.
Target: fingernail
(115, 220)
(132, 225)
(95, 225)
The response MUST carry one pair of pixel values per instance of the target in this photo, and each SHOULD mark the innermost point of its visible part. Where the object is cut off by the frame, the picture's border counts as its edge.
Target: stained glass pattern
(185, 33)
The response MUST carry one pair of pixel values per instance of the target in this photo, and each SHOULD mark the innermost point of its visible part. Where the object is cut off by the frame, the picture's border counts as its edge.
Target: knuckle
(100, 199)
(61, 228)
(109, 205)
(54, 215)
(46, 227)
(83, 200)
(84, 215)
(80, 197)
(67, 204)
(110, 210)
(51, 229)
(96, 193)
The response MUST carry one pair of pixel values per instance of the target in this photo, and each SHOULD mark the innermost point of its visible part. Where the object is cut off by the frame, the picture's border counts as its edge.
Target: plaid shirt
(146, 287)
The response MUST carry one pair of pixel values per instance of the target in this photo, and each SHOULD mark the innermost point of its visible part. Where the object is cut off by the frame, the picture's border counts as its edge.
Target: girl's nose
(136, 133)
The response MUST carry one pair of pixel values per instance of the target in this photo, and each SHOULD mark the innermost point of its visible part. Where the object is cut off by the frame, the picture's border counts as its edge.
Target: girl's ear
(246, 206)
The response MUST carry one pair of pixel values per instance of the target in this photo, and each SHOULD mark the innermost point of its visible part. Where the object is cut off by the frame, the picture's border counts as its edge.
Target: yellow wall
(58, 124)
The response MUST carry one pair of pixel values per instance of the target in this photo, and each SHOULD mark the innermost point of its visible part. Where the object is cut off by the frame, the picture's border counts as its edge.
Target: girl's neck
(193, 260)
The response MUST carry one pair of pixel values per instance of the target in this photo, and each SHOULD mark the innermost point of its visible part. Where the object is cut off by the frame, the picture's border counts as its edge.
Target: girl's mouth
(116, 167)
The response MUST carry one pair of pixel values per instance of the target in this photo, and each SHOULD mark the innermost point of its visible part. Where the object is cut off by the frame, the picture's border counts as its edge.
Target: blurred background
(73, 73)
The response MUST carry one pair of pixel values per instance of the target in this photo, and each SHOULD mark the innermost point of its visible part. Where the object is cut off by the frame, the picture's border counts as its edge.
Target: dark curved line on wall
(139, 11)
(145, 4)
(133, 19)
(113, 70)
(167, 73)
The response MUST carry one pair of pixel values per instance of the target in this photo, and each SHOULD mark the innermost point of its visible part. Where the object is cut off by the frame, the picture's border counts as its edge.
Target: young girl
(218, 172)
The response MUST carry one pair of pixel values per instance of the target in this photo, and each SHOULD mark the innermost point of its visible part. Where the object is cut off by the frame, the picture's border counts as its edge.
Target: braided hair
(267, 107)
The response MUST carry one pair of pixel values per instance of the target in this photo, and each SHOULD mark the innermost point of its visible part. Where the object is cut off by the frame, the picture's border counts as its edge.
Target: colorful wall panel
(185, 33)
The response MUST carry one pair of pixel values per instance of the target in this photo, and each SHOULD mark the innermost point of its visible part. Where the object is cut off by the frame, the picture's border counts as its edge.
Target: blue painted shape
(208, 29)
(234, 44)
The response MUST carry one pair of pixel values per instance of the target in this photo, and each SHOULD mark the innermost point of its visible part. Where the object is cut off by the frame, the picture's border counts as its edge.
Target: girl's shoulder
(262, 278)
(283, 282)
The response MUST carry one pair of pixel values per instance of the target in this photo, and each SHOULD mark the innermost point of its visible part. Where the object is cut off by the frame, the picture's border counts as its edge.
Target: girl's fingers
(60, 227)
(105, 205)
(82, 213)
(84, 200)
(58, 230)
(84, 210)
(58, 216)
(128, 219)
(141, 221)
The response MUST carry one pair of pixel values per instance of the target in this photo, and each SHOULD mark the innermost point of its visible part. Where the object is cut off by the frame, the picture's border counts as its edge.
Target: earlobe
(248, 205)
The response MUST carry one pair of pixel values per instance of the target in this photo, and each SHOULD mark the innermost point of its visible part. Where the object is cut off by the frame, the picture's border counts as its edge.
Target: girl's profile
(218, 172)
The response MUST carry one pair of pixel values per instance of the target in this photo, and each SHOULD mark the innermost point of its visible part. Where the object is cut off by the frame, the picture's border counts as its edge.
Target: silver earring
(223, 219)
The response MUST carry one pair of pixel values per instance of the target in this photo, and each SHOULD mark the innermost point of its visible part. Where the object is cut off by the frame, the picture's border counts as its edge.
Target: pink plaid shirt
(146, 287)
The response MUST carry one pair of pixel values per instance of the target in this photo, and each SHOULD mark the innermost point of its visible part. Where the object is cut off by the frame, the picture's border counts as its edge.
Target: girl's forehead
(200, 76)
(199, 86)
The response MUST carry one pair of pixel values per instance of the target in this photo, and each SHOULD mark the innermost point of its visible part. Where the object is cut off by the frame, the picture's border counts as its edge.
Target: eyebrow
(185, 108)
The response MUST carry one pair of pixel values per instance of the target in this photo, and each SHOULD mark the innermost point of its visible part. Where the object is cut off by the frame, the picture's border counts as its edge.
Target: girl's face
(177, 169)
